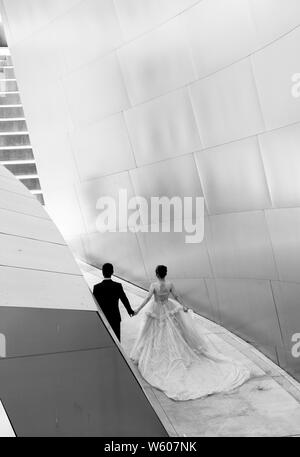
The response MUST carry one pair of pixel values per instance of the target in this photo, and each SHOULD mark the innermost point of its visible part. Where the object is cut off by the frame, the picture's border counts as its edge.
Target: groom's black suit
(108, 293)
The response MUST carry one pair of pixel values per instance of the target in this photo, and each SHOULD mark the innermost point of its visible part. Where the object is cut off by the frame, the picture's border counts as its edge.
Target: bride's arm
(147, 299)
(178, 298)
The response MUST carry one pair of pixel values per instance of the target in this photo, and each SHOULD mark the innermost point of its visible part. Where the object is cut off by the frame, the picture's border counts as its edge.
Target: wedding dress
(173, 356)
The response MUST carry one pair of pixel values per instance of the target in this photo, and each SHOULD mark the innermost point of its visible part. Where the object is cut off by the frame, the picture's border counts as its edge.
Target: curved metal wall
(175, 97)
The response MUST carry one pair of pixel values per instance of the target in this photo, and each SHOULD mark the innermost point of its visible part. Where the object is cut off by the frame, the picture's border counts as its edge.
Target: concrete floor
(267, 405)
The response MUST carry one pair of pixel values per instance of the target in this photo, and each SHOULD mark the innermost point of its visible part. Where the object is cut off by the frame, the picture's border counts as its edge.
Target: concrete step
(13, 126)
(14, 140)
(7, 73)
(6, 61)
(32, 183)
(8, 112)
(40, 198)
(7, 99)
(16, 154)
(8, 85)
(22, 169)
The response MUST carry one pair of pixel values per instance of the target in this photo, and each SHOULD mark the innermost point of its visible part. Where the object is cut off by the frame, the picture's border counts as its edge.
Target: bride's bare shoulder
(169, 285)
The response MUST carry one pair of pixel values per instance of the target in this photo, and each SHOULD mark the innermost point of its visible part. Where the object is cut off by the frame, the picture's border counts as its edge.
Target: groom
(108, 293)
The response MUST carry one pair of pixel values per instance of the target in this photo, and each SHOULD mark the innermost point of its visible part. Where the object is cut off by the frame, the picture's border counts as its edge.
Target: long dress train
(174, 357)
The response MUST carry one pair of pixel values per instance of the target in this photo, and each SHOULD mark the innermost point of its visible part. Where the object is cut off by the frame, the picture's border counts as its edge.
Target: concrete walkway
(267, 405)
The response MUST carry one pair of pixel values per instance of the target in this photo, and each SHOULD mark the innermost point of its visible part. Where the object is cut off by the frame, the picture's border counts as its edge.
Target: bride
(172, 354)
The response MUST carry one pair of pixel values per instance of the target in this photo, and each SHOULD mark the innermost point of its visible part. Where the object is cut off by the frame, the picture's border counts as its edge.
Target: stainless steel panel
(33, 15)
(62, 200)
(195, 294)
(274, 67)
(156, 63)
(227, 106)
(213, 298)
(33, 58)
(163, 128)
(280, 152)
(139, 16)
(57, 114)
(102, 33)
(288, 362)
(247, 308)
(286, 296)
(274, 18)
(233, 177)
(171, 178)
(240, 246)
(117, 187)
(60, 171)
(99, 80)
(77, 247)
(120, 249)
(102, 148)
(284, 226)
(184, 260)
(220, 33)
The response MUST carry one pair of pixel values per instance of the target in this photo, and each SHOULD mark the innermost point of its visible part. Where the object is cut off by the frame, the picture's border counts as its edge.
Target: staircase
(15, 149)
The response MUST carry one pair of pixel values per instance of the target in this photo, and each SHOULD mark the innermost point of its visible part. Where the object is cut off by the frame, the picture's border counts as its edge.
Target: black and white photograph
(149, 221)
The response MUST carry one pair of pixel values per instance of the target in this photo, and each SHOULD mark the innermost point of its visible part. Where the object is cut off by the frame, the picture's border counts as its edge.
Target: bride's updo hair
(161, 271)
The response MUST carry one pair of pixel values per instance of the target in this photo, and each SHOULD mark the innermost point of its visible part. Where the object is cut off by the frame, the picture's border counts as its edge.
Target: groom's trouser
(115, 325)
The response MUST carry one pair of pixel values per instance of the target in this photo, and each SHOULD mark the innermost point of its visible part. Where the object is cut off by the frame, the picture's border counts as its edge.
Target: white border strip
(6, 430)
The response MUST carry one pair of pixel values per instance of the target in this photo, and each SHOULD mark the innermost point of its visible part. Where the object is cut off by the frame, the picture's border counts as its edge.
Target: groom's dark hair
(107, 270)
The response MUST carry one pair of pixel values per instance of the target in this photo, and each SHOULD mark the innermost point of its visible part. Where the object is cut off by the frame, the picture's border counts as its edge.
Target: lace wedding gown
(174, 357)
